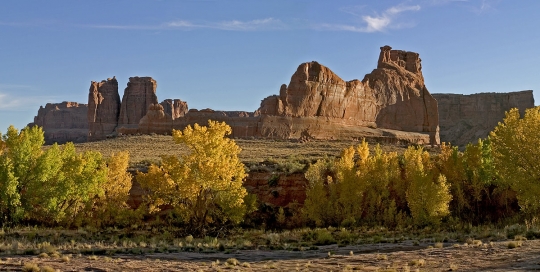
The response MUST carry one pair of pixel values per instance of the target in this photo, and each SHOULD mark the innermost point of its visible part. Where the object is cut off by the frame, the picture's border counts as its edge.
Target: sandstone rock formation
(288, 188)
(139, 94)
(103, 108)
(156, 121)
(466, 118)
(390, 99)
(63, 122)
(391, 104)
(176, 108)
(243, 124)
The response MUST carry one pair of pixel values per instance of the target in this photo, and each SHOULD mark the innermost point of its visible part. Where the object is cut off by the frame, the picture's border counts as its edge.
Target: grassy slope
(149, 148)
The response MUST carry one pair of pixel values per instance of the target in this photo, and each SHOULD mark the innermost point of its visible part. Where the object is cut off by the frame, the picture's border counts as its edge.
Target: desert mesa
(391, 104)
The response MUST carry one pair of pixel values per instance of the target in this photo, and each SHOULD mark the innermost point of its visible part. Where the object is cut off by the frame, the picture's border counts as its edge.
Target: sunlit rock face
(139, 94)
(393, 97)
(391, 104)
(103, 108)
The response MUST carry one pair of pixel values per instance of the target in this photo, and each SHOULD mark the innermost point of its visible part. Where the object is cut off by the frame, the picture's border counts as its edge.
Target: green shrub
(324, 237)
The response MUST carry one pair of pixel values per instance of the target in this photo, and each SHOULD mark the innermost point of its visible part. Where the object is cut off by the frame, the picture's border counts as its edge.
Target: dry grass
(149, 148)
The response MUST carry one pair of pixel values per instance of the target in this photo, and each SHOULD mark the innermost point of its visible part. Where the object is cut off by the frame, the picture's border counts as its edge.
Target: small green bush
(324, 237)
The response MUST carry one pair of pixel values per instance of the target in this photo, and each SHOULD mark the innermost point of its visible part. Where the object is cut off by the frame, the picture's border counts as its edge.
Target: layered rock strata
(63, 122)
(103, 109)
(391, 104)
(464, 119)
(139, 95)
(388, 101)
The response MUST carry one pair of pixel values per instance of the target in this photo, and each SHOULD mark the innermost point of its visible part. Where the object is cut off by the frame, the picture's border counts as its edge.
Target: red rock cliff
(103, 109)
(63, 122)
(392, 97)
(139, 94)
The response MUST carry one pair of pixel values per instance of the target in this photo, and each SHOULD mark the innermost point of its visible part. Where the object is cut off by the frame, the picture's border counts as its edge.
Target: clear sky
(229, 55)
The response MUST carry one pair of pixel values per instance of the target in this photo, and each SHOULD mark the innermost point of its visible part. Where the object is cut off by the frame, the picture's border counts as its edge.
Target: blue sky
(229, 55)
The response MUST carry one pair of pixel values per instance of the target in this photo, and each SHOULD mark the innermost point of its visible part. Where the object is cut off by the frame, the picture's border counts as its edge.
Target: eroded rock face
(103, 109)
(403, 100)
(243, 124)
(176, 108)
(466, 118)
(288, 189)
(139, 94)
(392, 97)
(156, 121)
(63, 122)
(391, 104)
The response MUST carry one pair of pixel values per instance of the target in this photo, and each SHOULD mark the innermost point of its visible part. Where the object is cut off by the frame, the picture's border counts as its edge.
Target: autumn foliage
(376, 189)
(516, 152)
(494, 180)
(59, 186)
(203, 188)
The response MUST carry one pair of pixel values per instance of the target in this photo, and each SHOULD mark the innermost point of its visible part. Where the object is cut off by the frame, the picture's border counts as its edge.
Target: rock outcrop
(391, 104)
(156, 121)
(288, 189)
(390, 99)
(464, 119)
(103, 109)
(176, 108)
(63, 122)
(139, 94)
(243, 124)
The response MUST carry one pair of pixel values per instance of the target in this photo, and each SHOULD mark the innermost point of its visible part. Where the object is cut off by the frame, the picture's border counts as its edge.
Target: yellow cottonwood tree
(111, 207)
(428, 194)
(364, 188)
(205, 186)
(516, 149)
(321, 195)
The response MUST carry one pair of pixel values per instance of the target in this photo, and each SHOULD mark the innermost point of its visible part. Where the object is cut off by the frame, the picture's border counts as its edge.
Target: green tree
(18, 157)
(516, 149)
(10, 199)
(65, 186)
(56, 186)
(205, 186)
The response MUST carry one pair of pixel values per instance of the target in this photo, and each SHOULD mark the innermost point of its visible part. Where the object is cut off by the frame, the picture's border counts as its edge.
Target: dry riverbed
(402, 256)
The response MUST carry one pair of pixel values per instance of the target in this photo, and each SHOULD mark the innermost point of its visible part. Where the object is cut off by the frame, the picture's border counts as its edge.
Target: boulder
(139, 94)
(466, 118)
(103, 109)
(63, 122)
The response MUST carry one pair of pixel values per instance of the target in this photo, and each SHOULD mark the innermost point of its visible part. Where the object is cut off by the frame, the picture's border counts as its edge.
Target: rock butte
(391, 104)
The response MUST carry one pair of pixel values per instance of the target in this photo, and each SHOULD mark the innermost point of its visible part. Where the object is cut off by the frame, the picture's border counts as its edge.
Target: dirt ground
(404, 256)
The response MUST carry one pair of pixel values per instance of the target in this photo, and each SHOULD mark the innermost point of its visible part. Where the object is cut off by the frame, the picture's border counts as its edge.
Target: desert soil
(404, 256)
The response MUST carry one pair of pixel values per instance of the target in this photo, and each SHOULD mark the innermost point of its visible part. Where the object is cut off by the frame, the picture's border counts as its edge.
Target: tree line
(490, 181)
